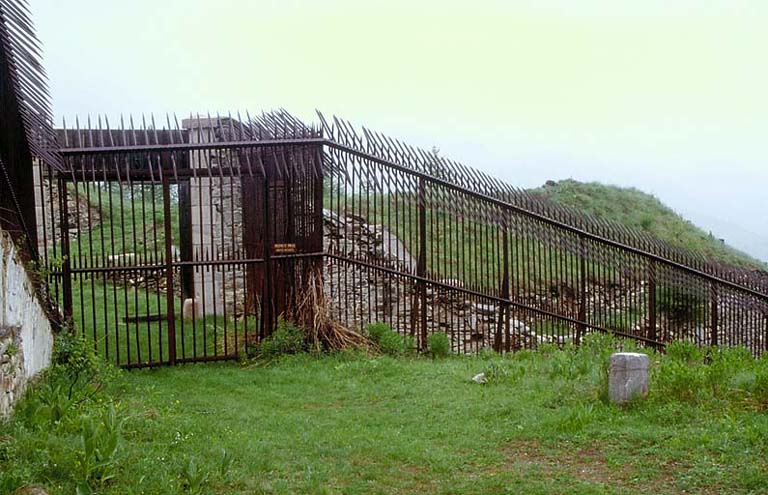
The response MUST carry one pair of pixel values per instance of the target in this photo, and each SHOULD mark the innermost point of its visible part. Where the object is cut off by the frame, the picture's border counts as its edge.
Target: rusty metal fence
(186, 241)
(25, 129)
(185, 244)
(26, 135)
(429, 245)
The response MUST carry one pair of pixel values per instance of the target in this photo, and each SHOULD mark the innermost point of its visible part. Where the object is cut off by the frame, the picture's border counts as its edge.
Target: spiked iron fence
(491, 265)
(25, 129)
(26, 134)
(186, 243)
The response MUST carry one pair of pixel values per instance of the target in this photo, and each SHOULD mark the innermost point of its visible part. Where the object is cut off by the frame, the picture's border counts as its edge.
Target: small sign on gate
(286, 248)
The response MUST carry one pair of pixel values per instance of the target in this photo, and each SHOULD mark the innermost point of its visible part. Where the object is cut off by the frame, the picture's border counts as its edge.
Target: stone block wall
(217, 225)
(26, 337)
(358, 295)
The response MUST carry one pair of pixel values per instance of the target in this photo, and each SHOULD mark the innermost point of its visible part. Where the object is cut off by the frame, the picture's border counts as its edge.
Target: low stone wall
(26, 337)
(359, 295)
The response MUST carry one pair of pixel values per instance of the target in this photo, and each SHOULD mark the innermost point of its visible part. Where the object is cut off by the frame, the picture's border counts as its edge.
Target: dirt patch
(588, 465)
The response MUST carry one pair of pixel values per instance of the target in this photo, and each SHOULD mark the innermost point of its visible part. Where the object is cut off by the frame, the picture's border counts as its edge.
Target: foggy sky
(671, 100)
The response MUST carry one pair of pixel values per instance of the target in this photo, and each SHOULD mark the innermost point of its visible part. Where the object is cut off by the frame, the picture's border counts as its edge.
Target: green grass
(638, 210)
(353, 424)
(465, 249)
(131, 221)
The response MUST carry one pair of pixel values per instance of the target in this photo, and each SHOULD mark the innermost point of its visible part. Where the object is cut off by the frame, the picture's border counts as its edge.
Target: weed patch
(390, 342)
(439, 345)
(286, 339)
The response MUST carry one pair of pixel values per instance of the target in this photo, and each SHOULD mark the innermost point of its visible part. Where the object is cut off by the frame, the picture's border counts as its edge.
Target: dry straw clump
(313, 315)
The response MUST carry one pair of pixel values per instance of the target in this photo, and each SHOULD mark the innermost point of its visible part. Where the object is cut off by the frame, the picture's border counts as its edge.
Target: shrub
(501, 370)
(73, 354)
(725, 366)
(439, 345)
(388, 341)
(691, 374)
(377, 330)
(96, 461)
(286, 339)
(576, 419)
(393, 344)
(597, 345)
(680, 381)
(760, 389)
(76, 375)
(685, 352)
(194, 478)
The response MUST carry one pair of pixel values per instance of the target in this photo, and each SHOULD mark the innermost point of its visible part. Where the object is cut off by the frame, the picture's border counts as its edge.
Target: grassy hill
(636, 209)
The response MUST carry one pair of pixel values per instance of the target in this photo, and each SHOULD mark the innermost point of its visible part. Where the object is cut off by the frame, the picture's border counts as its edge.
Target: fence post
(168, 264)
(765, 335)
(185, 241)
(582, 328)
(66, 267)
(266, 298)
(713, 339)
(504, 306)
(652, 300)
(421, 269)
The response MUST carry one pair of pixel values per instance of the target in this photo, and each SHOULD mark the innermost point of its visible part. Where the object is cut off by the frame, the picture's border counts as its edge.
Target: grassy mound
(638, 210)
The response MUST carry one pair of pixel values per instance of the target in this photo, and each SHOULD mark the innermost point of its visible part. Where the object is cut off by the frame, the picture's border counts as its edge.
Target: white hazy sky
(667, 96)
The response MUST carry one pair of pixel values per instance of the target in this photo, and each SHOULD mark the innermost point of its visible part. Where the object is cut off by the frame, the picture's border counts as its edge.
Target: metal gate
(181, 245)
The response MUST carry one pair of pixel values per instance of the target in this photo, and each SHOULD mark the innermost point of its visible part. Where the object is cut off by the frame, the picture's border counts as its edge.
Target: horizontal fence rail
(188, 243)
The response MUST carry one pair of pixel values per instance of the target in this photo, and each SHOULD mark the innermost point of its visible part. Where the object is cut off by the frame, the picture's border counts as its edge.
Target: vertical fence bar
(422, 265)
(582, 327)
(169, 267)
(504, 307)
(266, 299)
(765, 333)
(185, 241)
(66, 283)
(652, 300)
(713, 338)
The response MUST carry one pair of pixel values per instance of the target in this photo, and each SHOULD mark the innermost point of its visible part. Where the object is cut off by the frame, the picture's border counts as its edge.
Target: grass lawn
(99, 313)
(354, 424)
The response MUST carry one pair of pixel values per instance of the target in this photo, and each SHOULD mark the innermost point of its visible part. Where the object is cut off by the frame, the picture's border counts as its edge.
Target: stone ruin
(360, 296)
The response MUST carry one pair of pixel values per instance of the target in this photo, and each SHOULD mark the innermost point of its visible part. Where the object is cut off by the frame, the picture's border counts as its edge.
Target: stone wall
(26, 337)
(359, 295)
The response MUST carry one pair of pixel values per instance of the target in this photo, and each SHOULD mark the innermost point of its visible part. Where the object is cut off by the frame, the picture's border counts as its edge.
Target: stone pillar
(216, 222)
(627, 376)
(39, 208)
